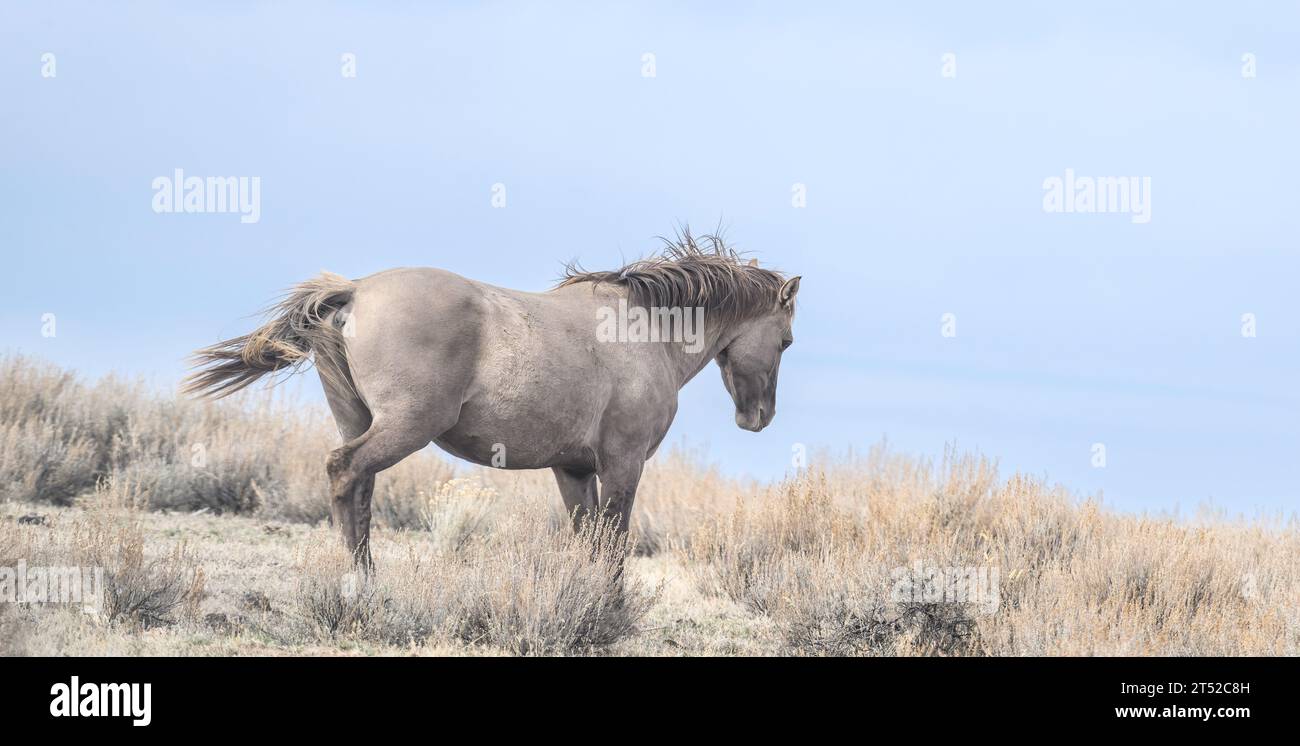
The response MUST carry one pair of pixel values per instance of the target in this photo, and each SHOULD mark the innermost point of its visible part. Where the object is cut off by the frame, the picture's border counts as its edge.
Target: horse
(582, 379)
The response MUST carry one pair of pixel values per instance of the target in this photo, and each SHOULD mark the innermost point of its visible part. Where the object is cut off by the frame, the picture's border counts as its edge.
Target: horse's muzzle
(753, 421)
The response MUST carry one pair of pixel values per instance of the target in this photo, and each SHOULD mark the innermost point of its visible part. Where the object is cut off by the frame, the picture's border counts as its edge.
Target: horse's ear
(789, 290)
(752, 263)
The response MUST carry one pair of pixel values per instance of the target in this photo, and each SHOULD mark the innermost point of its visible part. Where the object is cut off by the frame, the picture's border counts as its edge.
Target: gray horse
(582, 379)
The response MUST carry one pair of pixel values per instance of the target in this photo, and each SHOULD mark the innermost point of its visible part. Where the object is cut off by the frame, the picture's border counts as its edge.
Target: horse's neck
(689, 364)
(684, 363)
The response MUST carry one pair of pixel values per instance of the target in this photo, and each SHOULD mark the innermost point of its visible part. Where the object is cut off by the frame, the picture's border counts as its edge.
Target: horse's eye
(785, 344)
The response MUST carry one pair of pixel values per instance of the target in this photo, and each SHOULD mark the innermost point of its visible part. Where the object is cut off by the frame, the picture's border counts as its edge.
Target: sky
(894, 155)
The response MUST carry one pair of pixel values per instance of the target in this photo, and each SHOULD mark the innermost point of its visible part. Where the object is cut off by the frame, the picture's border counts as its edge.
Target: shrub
(139, 589)
(41, 461)
(527, 586)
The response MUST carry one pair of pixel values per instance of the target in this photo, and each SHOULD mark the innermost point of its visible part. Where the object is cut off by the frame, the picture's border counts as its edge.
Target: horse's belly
(514, 445)
(535, 400)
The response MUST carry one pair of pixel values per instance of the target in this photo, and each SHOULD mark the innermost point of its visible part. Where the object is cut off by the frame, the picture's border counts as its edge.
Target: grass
(208, 520)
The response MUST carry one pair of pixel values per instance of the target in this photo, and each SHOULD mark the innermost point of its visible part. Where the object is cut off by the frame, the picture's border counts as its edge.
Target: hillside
(209, 521)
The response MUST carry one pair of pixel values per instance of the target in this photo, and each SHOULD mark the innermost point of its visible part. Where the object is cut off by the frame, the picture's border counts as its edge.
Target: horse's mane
(688, 275)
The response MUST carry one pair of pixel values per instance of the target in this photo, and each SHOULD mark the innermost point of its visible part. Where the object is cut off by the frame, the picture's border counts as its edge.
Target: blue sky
(924, 197)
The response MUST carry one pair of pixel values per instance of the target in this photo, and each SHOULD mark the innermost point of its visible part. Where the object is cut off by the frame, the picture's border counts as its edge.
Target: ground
(209, 524)
(249, 564)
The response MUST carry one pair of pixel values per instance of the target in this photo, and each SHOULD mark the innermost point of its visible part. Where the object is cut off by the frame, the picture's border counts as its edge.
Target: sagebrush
(211, 518)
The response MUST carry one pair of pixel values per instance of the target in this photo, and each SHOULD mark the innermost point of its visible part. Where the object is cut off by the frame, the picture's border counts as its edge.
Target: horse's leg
(352, 468)
(618, 481)
(353, 420)
(578, 489)
(342, 487)
(362, 491)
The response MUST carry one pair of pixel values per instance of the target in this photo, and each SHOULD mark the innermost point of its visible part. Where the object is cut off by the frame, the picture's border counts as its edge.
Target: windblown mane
(688, 275)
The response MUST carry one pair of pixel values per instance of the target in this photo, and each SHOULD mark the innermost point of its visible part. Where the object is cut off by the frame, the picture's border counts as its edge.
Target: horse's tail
(303, 323)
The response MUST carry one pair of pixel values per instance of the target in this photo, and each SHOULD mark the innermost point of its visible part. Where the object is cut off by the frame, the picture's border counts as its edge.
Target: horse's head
(750, 361)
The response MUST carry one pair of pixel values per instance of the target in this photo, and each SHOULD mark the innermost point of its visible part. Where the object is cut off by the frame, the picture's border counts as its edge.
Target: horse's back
(518, 369)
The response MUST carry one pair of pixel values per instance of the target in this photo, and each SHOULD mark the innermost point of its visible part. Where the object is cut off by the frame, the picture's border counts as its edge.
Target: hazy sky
(924, 197)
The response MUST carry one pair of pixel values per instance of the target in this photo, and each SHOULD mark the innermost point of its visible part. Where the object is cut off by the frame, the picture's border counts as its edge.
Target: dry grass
(527, 587)
(140, 584)
(208, 519)
(821, 554)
